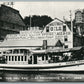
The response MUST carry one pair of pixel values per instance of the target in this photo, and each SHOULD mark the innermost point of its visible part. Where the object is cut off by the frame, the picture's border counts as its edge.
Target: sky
(54, 9)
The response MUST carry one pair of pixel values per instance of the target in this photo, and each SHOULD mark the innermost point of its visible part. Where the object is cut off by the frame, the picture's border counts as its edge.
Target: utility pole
(71, 27)
(64, 18)
(30, 21)
(71, 21)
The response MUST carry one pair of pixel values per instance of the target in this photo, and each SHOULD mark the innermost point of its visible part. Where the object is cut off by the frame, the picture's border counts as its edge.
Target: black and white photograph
(41, 41)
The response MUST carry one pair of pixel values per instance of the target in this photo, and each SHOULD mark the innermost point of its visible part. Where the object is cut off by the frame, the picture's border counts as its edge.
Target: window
(15, 51)
(64, 28)
(18, 58)
(65, 39)
(47, 29)
(21, 51)
(25, 58)
(46, 57)
(15, 58)
(4, 52)
(43, 57)
(59, 28)
(21, 58)
(51, 28)
(66, 46)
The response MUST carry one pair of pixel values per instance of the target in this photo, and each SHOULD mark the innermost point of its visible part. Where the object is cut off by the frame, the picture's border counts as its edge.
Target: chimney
(44, 44)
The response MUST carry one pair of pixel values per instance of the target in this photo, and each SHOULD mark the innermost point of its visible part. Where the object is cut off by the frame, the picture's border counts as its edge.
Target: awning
(55, 50)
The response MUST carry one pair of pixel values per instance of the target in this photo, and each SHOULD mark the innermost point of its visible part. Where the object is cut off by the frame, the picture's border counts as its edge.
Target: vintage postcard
(41, 41)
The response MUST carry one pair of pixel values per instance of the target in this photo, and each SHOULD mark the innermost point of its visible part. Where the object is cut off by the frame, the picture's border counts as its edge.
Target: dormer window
(64, 27)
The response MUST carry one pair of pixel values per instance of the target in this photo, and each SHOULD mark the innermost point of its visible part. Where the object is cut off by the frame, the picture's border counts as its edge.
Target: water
(15, 76)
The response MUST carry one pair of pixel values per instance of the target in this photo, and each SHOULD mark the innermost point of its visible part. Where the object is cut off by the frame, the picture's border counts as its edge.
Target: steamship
(50, 49)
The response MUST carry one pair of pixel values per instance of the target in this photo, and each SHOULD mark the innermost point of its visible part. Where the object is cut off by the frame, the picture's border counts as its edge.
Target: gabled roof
(10, 15)
(60, 20)
(58, 44)
(54, 21)
(68, 23)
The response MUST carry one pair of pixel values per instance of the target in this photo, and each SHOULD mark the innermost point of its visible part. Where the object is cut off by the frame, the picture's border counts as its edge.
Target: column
(2, 52)
(7, 58)
(32, 59)
(37, 59)
(17, 58)
(28, 58)
(23, 58)
(10, 58)
(48, 56)
(45, 58)
(19, 51)
(27, 52)
(20, 58)
(12, 51)
(14, 58)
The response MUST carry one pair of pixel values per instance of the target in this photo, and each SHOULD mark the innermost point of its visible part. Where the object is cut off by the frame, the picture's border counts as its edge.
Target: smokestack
(44, 44)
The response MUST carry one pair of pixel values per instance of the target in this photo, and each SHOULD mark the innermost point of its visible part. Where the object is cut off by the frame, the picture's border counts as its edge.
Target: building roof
(54, 21)
(29, 42)
(21, 43)
(68, 23)
(10, 15)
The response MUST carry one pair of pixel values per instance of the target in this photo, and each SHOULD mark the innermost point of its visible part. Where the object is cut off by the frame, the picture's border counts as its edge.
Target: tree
(37, 20)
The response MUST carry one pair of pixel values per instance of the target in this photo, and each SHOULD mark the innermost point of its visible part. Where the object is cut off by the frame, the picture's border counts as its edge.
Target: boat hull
(62, 66)
(69, 69)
